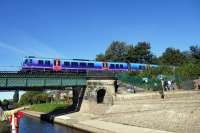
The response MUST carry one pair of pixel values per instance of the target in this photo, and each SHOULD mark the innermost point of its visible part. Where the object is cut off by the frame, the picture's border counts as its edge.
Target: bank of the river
(93, 124)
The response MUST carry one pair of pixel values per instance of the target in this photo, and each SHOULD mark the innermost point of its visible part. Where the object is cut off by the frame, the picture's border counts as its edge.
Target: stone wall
(90, 97)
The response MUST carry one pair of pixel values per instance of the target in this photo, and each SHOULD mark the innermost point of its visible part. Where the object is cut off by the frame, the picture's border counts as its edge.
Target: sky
(84, 28)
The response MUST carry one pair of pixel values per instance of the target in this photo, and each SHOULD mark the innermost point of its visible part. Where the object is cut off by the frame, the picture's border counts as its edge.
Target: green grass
(47, 107)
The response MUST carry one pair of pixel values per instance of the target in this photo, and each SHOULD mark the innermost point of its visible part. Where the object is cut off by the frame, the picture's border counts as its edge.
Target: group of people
(169, 85)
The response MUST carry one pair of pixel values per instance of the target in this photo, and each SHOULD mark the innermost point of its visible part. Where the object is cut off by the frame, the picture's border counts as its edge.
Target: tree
(188, 56)
(33, 98)
(131, 57)
(141, 53)
(172, 56)
(16, 96)
(26, 99)
(188, 71)
(195, 52)
(0, 102)
(155, 60)
(117, 51)
(5, 103)
(100, 57)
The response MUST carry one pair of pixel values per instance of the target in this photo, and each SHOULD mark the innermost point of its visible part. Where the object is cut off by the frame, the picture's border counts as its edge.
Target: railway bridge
(88, 87)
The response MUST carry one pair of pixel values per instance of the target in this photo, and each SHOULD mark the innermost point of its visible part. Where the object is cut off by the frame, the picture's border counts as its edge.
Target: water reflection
(35, 125)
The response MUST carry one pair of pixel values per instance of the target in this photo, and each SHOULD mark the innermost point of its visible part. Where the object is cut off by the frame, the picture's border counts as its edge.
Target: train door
(57, 66)
(105, 65)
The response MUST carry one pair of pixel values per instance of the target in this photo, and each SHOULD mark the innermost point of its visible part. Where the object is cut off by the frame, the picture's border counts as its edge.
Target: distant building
(60, 94)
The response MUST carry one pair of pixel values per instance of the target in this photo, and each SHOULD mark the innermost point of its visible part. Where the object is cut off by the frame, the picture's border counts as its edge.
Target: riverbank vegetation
(47, 107)
(34, 97)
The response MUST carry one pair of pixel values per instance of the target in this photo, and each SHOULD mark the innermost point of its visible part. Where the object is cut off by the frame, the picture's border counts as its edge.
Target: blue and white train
(77, 65)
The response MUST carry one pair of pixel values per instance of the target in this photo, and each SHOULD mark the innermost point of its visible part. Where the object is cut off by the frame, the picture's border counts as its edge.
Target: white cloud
(12, 48)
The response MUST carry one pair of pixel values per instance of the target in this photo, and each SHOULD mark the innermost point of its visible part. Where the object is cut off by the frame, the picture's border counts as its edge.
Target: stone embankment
(142, 113)
(178, 112)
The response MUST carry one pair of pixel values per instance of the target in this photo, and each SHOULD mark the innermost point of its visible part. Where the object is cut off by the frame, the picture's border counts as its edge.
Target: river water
(34, 125)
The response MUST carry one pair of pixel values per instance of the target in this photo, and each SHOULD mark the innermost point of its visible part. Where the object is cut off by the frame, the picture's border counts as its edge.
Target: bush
(33, 98)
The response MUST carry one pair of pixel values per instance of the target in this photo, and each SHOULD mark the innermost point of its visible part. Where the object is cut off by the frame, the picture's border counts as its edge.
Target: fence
(149, 84)
(155, 84)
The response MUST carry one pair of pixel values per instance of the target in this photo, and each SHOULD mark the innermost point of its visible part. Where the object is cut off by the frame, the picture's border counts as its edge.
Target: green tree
(16, 96)
(117, 51)
(188, 56)
(172, 56)
(26, 99)
(195, 52)
(155, 60)
(131, 56)
(5, 103)
(141, 53)
(33, 98)
(100, 57)
(42, 98)
(188, 71)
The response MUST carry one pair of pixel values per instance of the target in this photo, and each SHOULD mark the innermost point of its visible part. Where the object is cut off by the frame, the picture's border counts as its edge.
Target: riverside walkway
(91, 123)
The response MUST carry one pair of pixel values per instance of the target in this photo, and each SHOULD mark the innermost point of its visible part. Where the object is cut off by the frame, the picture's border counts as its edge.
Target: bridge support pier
(78, 93)
(98, 92)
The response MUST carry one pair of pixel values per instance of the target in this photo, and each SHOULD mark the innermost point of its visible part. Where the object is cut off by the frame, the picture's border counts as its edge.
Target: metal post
(13, 124)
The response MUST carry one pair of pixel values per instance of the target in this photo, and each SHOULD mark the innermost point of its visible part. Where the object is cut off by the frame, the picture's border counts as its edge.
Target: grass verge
(47, 107)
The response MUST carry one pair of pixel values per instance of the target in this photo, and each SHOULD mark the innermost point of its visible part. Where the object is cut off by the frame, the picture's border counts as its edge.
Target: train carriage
(79, 65)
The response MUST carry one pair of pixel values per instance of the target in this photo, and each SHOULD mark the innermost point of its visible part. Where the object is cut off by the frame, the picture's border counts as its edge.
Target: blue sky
(84, 28)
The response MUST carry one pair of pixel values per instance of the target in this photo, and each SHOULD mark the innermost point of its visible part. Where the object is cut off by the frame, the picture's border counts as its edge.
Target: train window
(90, 65)
(112, 66)
(142, 67)
(121, 66)
(47, 62)
(31, 61)
(66, 64)
(117, 65)
(40, 62)
(83, 64)
(74, 64)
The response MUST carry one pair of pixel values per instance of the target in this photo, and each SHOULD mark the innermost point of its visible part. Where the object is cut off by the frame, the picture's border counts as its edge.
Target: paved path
(119, 128)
